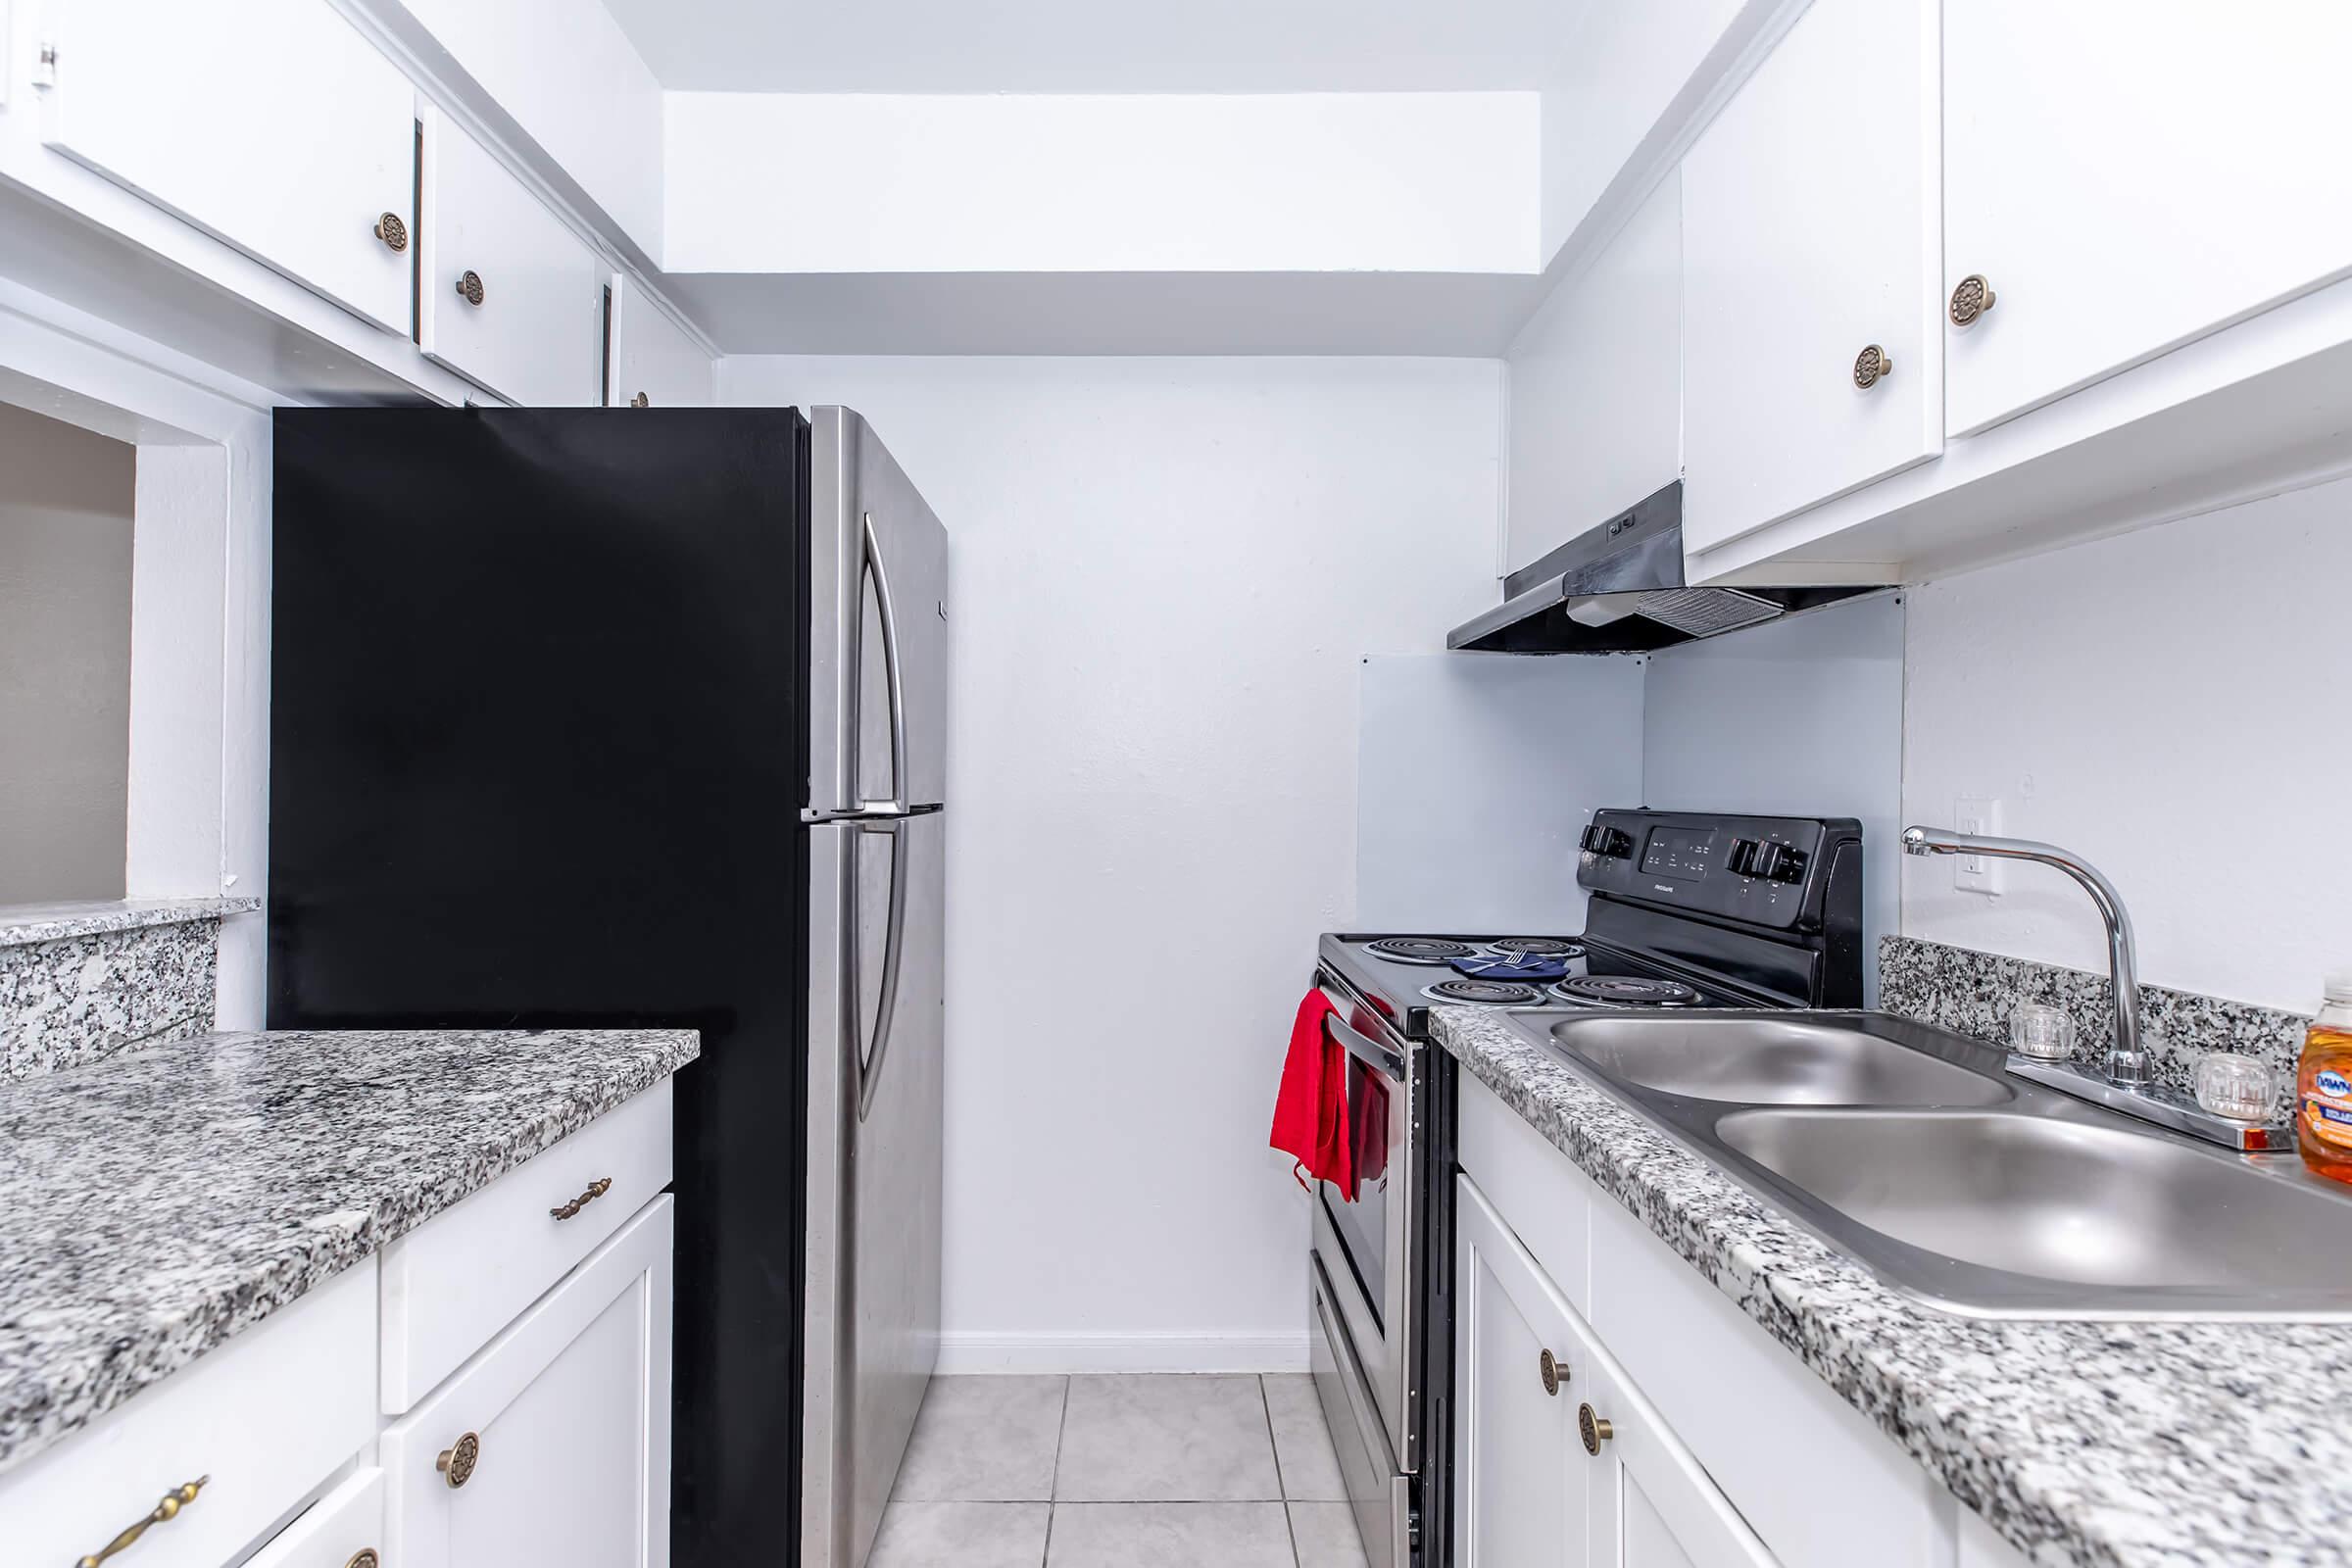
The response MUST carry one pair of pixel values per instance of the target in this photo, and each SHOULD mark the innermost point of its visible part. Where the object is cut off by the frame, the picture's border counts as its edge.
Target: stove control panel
(1770, 871)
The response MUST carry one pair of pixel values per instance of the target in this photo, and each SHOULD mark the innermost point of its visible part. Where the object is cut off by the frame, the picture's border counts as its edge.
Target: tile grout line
(1282, 1491)
(1061, 1433)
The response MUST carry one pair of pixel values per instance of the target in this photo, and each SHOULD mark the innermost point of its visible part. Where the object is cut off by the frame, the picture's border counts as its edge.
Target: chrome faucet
(2126, 1057)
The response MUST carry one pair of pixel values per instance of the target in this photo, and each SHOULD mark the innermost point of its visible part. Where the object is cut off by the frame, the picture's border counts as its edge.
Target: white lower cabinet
(552, 1445)
(254, 1428)
(542, 1439)
(1711, 1446)
(1559, 1458)
(338, 1531)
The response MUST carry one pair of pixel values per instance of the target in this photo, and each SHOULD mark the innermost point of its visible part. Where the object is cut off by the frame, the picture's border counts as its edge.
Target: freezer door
(877, 948)
(878, 628)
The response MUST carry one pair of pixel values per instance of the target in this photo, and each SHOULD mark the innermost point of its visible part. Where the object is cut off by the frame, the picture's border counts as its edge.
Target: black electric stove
(1686, 909)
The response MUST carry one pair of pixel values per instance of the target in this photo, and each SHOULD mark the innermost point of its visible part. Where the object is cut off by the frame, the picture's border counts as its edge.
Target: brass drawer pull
(641, 401)
(365, 1557)
(457, 1461)
(166, 1511)
(596, 1190)
(470, 286)
(393, 230)
(1871, 366)
(1592, 1429)
(1972, 299)
(1555, 1374)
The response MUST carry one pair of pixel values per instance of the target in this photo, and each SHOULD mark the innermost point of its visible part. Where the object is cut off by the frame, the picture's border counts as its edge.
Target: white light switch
(1977, 873)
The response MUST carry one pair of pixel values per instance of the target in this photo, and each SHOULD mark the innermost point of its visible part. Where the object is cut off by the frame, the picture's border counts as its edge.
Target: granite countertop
(2101, 1444)
(157, 1203)
(25, 924)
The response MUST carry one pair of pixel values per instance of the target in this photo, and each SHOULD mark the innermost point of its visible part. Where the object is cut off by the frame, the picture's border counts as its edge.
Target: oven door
(1371, 1238)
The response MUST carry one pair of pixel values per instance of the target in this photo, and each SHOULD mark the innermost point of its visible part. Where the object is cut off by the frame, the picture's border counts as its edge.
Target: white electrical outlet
(1977, 873)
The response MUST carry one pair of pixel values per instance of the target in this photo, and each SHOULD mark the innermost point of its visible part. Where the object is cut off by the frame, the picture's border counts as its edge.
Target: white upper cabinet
(1595, 420)
(271, 124)
(654, 363)
(2128, 174)
(1811, 238)
(508, 297)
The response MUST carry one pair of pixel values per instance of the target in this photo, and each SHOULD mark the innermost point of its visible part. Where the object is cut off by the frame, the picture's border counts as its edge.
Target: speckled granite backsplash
(1974, 992)
(79, 983)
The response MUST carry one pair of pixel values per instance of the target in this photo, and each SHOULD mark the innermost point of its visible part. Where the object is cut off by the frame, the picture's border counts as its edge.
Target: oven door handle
(1363, 1047)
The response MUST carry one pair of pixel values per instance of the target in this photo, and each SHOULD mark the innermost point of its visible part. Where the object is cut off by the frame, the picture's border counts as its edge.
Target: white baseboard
(961, 1353)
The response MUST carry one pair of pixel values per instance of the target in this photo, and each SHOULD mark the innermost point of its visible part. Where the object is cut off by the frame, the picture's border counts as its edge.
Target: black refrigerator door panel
(539, 746)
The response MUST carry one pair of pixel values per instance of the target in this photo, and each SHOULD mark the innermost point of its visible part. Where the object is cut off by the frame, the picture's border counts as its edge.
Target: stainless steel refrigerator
(638, 717)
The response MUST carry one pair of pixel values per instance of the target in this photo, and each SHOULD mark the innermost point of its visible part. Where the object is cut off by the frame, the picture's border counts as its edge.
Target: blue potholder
(1533, 966)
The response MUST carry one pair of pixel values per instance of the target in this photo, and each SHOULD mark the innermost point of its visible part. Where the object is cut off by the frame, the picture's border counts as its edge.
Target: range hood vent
(1619, 589)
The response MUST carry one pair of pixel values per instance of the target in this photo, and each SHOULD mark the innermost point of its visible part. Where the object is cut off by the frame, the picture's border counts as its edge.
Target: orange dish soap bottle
(2324, 1085)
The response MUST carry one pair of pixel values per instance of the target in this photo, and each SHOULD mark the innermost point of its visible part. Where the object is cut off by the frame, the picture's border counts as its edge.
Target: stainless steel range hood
(1619, 589)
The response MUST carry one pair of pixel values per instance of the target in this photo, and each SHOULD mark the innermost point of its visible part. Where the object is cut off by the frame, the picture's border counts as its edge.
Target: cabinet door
(271, 124)
(1595, 388)
(654, 363)
(1810, 235)
(507, 296)
(552, 1445)
(2128, 174)
(1671, 1513)
(1525, 1494)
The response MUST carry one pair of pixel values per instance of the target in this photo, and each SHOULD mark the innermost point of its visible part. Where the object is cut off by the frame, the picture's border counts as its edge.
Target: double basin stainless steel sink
(1911, 1149)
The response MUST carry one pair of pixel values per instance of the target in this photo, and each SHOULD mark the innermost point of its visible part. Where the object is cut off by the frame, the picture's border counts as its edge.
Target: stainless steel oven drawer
(1378, 1491)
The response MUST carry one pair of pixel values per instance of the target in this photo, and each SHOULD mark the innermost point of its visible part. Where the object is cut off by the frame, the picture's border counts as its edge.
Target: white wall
(1167, 573)
(2170, 704)
(1302, 183)
(65, 658)
(1478, 772)
(1802, 717)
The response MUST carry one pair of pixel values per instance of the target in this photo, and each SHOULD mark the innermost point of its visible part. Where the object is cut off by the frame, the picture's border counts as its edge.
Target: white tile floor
(1119, 1472)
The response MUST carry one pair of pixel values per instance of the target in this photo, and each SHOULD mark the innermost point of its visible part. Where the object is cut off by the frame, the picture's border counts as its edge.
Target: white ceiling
(1061, 46)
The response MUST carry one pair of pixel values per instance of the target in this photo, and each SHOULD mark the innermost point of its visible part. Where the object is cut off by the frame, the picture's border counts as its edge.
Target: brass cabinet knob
(393, 230)
(596, 1190)
(164, 1513)
(1555, 1374)
(1972, 297)
(365, 1557)
(1592, 1429)
(1871, 366)
(470, 286)
(641, 401)
(458, 1460)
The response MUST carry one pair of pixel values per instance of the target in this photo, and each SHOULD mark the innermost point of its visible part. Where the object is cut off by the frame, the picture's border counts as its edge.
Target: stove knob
(1743, 859)
(1781, 863)
(1605, 841)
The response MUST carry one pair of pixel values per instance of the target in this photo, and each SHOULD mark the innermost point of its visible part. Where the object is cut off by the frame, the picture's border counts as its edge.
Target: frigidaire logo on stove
(1661, 887)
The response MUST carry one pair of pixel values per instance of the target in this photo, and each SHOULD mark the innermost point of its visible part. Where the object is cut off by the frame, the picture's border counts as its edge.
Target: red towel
(1310, 1110)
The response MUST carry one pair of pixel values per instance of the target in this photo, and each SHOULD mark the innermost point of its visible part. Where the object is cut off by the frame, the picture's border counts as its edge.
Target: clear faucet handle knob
(2242, 1087)
(2042, 1032)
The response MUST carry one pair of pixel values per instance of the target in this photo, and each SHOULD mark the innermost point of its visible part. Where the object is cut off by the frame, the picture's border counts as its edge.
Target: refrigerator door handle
(872, 549)
(870, 1060)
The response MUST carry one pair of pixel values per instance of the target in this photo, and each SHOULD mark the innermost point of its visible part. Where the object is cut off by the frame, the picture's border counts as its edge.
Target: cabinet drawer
(451, 1283)
(267, 1417)
(552, 1446)
(269, 123)
(529, 323)
(335, 1530)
